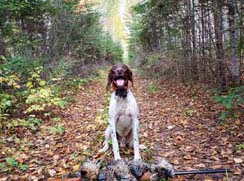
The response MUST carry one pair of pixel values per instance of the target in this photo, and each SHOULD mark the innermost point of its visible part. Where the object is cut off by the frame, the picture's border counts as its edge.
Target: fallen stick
(206, 171)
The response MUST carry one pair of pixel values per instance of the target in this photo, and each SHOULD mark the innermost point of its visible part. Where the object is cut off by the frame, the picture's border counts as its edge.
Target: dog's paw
(117, 158)
(137, 158)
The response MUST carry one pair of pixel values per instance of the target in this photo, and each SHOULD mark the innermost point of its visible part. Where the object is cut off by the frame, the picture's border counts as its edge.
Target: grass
(151, 88)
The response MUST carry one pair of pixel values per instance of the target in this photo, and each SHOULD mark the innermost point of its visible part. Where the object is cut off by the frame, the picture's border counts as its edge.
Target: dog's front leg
(106, 141)
(136, 138)
(114, 140)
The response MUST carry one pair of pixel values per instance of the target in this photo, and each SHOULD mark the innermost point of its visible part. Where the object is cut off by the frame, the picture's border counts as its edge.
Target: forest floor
(178, 122)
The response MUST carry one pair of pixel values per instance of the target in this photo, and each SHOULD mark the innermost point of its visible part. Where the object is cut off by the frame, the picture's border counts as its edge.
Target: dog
(123, 125)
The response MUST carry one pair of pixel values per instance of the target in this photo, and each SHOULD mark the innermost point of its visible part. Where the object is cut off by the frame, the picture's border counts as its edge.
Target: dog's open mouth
(120, 82)
(121, 87)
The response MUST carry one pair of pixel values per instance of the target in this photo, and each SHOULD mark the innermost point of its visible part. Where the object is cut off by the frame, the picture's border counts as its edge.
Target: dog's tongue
(120, 82)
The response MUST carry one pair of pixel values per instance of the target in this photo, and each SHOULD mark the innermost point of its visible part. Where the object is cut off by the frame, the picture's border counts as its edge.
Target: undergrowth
(27, 98)
(233, 102)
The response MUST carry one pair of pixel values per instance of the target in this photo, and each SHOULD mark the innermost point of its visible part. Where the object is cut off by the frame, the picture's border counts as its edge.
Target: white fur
(123, 120)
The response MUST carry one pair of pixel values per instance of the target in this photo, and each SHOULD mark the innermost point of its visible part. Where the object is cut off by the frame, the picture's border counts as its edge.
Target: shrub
(233, 102)
(23, 91)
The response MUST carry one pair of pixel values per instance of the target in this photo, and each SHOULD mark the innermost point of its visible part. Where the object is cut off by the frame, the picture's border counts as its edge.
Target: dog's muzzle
(121, 88)
(121, 92)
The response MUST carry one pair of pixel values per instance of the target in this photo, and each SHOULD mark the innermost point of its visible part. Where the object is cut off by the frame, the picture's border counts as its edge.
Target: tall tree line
(53, 29)
(47, 47)
(204, 36)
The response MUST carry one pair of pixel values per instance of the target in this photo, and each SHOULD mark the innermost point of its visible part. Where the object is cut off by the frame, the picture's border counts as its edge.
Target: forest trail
(177, 122)
(53, 115)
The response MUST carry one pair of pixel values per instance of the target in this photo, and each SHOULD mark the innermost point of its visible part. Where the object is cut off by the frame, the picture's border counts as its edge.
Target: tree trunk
(235, 62)
(217, 12)
(202, 42)
(2, 45)
(241, 40)
(188, 47)
(193, 40)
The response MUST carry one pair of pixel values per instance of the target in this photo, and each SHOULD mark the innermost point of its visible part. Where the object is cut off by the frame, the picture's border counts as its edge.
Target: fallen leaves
(170, 127)
(52, 172)
(238, 160)
(172, 124)
(175, 161)
(179, 139)
(237, 171)
(190, 135)
(238, 122)
(76, 167)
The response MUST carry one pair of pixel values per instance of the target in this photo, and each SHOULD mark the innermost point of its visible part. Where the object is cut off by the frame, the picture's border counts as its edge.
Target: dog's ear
(110, 79)
(130, 76)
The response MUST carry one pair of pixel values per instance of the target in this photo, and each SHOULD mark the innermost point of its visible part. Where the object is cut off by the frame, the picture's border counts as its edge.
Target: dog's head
(119, 77)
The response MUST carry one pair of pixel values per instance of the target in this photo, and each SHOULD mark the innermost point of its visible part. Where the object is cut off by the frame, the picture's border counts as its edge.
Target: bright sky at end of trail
(116, 19)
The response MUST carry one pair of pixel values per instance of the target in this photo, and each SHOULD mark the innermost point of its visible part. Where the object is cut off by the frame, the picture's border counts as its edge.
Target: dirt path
(181, 124)
(177, 122)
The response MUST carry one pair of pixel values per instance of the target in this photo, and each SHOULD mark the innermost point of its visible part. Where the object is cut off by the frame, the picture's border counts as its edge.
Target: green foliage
(54, 29)
(32, 123)
(233, 102)
(14, 164)
(240, 45)
(190, 112)
(58, 129)
(40, 99)
(42, 44)
(11, 162)
(32, 14)
(3, 167)
(153, 88)
(240, 147)
(76, 82)
(73, 156)
(7, 101)
(23, 167)
(97, 45)
(110, 142)
(24, 92)
(56, 119)
(232, 99)
(150, 24)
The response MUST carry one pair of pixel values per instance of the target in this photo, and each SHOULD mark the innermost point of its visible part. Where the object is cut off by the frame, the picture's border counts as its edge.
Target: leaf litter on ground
(177, 122)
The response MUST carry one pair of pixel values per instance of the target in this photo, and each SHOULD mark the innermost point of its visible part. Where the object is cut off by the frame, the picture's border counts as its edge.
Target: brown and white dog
(123, 112)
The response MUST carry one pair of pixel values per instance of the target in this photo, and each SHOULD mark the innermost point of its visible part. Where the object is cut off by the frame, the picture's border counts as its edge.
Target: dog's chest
(123, 108)
(124, 119)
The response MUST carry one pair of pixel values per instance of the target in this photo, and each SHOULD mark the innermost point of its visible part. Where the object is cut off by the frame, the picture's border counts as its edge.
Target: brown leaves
(54, 155)
(192, 140)
(52, 172)
(179, 139)
(238, 160)
(186, 130)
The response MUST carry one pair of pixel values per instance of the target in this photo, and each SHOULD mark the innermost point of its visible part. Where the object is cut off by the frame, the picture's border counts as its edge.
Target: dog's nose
(119, 71)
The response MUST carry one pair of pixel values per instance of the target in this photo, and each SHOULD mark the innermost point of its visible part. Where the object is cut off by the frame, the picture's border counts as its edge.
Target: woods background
(203, 38)
(50, 50)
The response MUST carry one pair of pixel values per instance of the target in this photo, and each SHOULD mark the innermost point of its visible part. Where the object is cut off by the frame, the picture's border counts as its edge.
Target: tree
(235, 62)
(196, 34)
(217, 11)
